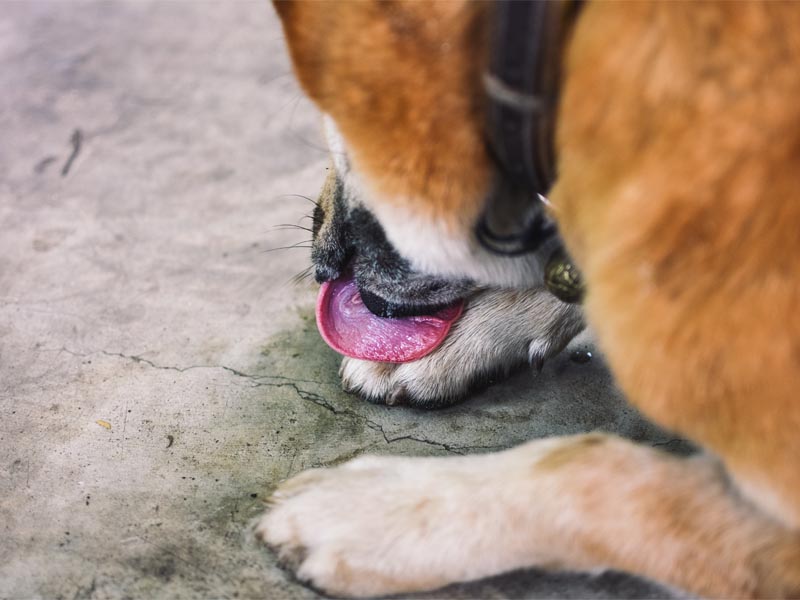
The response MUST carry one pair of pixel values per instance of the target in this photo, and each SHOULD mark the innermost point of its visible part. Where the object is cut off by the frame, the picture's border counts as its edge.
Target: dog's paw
(430, 383)
(374, 526)
(374, 381)
(500, 330)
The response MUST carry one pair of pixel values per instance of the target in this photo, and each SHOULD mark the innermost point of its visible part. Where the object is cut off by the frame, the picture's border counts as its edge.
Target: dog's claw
(397, 397)
(537, 353)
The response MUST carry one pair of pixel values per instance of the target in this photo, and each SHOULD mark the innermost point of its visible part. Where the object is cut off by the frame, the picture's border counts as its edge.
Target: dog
(678, 140)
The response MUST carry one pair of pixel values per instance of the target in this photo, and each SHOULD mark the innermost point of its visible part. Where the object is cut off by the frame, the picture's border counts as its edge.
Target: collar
(522, 87)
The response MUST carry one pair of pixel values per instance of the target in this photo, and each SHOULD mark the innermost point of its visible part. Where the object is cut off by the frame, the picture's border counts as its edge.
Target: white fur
(336, 145)
(431, 248)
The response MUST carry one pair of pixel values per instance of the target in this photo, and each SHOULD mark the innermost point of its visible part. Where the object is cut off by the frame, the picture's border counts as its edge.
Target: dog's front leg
(383, 525)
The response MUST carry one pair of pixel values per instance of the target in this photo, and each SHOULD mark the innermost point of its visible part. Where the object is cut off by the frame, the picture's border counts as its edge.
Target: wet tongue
(351, 329)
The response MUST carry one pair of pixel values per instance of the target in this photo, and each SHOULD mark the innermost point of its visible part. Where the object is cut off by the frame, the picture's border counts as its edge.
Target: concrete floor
(159, 372)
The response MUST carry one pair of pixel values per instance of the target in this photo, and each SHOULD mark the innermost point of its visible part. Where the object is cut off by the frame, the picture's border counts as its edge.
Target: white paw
(499, 331)
(355, 530)
(385, 525)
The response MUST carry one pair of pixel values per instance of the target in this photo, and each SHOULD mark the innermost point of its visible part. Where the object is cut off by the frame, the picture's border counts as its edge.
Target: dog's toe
(371, 380)
(398, 396)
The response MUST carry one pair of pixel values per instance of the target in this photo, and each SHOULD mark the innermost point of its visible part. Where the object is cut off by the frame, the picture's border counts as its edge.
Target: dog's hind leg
(382, 525)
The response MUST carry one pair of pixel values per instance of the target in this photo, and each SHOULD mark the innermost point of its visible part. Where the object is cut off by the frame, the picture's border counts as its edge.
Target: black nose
(514, 221)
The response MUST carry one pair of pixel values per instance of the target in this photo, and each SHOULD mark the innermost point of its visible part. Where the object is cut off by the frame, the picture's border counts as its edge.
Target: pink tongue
(351, 329)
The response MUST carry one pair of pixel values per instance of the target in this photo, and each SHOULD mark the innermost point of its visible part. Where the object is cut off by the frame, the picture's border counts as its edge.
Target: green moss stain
(300, 354)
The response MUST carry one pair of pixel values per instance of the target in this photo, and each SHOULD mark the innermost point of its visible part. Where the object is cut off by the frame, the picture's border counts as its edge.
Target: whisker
(314, 202)
(284, 248)
(297, 245)
(298, 136)
(302, 276)
(284, 226)
(277, 78)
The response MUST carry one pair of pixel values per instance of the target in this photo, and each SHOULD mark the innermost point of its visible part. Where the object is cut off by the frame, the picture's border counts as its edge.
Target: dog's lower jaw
(499, 331)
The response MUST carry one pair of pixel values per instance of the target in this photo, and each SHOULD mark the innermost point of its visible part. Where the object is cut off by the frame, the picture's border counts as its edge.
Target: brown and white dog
(679, 179)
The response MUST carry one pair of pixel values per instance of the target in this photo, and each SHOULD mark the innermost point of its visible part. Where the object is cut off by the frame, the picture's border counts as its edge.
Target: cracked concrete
(159, 372)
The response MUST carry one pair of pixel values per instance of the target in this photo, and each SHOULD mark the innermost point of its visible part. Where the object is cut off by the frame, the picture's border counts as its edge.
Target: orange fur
(684, 218)
(679, 144)
(370, 65)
